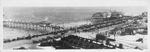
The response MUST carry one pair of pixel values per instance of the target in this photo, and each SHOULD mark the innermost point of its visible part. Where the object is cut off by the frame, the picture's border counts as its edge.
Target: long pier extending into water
(42, 27)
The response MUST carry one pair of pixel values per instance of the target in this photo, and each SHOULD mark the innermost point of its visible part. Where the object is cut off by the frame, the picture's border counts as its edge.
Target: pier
(42, 27)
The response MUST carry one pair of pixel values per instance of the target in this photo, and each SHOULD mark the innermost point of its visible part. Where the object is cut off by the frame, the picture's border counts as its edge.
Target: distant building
(100, 15)
(116, 14)
(104, 16)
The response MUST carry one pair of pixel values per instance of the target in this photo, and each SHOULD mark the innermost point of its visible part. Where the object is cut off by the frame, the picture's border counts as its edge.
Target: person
(28, 37)
(114, 47)
(120, 46)
(107, 42)
(141, 40)
(136, 47)
(130, 31)
(118, 32)
(107, 33)
(100, 36)
(22, 48)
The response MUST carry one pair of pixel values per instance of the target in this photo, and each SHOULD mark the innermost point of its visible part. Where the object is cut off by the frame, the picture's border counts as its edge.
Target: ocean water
(53, 15)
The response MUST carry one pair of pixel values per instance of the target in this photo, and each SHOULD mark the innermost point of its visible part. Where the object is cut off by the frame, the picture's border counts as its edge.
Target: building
(105, 16)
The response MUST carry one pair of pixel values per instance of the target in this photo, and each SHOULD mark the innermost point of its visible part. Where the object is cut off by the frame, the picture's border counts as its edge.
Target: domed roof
(100, 15)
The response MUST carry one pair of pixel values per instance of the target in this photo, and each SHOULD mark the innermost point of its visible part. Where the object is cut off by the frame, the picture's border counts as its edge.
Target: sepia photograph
(54, 28)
